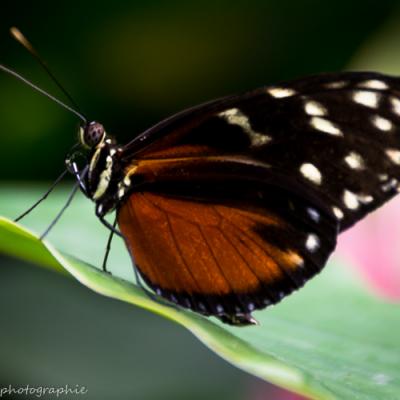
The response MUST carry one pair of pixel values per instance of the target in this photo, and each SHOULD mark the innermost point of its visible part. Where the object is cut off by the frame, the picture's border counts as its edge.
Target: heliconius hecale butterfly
(230, 206)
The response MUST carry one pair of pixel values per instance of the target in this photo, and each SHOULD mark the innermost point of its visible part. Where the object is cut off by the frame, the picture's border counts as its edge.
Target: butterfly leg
(44, 197)
(108, 247)
(61, 212)
(106, 223)
(73, 169)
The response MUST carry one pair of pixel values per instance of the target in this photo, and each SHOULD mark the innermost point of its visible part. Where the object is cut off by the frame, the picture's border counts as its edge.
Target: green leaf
(331, 340)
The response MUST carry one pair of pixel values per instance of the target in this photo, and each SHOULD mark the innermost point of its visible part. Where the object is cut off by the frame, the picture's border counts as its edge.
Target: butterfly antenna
(41, 91)
(21, 39)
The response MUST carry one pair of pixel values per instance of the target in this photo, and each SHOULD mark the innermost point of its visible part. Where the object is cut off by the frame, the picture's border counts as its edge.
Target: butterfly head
(91, 134)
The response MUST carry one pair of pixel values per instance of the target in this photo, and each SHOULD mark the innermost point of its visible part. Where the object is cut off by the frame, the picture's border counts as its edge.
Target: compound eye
(92, 134)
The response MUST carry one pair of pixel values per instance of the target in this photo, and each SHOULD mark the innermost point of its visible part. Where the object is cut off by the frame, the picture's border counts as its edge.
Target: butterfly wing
(315, 155)
(224, 259)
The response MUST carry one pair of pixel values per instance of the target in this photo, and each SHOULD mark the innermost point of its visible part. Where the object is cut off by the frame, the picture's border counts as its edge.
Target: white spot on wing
(365, 198)
(354, 161)
(326, 126)
(394, 155)
(350, 200)
(281, 92)
(373, 84)
(314, 108)
(382, 123)
(311, 172)
(366, 98)
(338, 212)
(395, 105)
(235, 117)
(383, 177)
(392, 184)
(314, 214)
(312, 242)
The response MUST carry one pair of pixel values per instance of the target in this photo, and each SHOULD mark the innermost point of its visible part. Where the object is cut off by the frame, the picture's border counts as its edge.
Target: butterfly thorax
(102, 168)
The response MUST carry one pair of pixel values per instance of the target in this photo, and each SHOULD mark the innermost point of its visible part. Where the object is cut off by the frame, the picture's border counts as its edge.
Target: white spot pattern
(366, 98)
(392, 184)
(326, 126)
(311, 172)
(314, 214)
(281, 92)
(383, 177)
(354, 161)
(394, 155)
(365, 198)
(235, 117)
(382, 123)
(338, 212)
(373, 84)
(312, 242)
(395, 102)
(314, 108)
(350, 200)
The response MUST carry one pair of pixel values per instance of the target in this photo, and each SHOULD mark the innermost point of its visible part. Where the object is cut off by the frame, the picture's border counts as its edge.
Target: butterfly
(230, 206)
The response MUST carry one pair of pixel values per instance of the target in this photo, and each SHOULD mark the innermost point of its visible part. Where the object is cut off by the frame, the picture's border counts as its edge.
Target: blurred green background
(129, 64)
